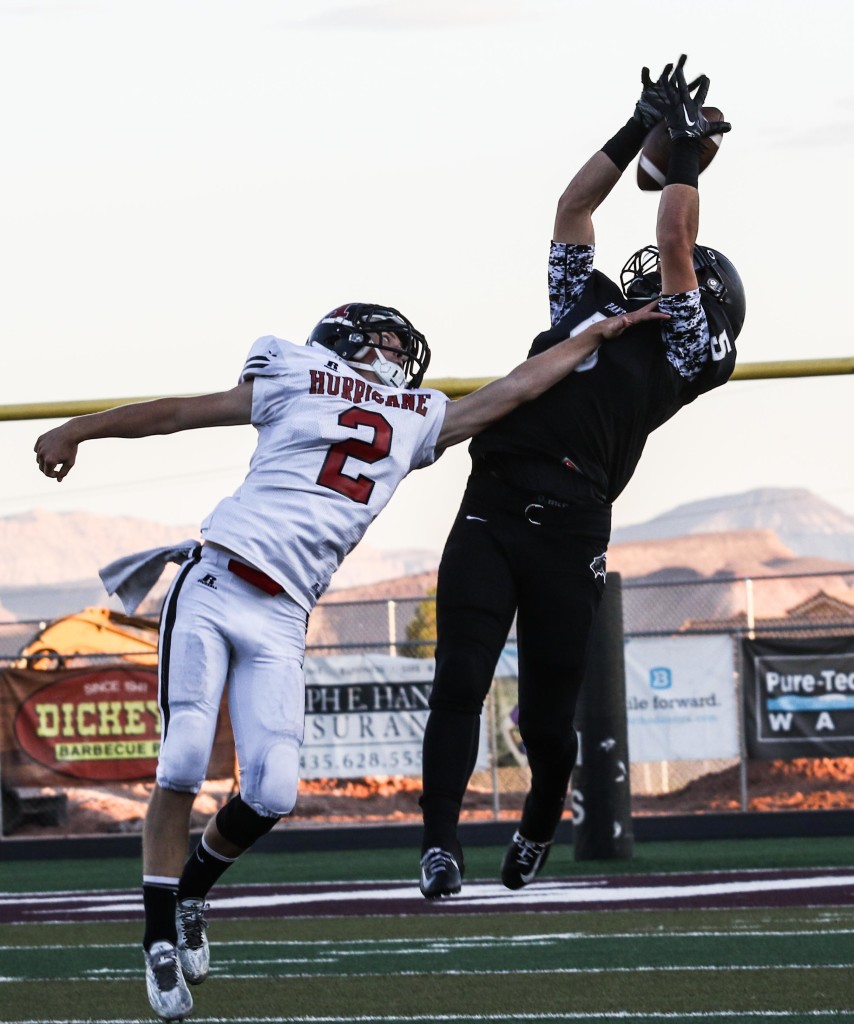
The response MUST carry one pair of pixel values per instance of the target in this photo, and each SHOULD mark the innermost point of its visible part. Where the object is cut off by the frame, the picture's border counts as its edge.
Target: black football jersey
(599, 417)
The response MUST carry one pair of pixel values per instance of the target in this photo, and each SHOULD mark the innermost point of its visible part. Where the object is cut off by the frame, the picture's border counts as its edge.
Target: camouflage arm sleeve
(569, 267)
(686, 333)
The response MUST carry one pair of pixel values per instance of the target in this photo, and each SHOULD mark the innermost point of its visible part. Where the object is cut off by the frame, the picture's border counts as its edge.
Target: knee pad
(184, 754)
(269, 787)
(241, 825)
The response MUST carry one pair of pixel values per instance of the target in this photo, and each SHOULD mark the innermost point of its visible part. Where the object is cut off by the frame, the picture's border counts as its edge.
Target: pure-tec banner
(799, 697)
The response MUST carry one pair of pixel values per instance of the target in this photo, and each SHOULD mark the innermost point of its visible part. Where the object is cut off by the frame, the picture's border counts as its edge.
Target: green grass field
(773, 964)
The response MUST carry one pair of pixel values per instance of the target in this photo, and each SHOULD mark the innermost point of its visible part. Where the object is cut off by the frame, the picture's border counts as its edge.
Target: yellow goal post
(454, 387)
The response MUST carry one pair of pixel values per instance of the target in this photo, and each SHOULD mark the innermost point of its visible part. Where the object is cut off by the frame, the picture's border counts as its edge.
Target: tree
(422, 626)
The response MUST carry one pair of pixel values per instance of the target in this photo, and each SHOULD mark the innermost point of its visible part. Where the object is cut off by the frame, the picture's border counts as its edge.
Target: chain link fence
(816, 605)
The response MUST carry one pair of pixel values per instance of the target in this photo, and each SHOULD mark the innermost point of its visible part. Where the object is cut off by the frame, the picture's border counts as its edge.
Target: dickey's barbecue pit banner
(96, 724)
(799, 697)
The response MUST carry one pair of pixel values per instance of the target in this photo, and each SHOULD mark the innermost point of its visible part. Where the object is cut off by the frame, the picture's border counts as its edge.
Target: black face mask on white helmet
(347, 330)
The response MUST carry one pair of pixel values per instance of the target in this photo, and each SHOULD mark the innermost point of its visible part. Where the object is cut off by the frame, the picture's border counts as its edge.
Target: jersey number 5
(720, 345)
(356, 488)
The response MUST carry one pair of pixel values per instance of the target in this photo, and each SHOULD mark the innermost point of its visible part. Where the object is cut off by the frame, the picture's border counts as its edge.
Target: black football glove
(653, 104)
(684, 116)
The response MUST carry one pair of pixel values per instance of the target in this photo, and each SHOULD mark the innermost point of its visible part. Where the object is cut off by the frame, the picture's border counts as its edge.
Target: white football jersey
(332, 448)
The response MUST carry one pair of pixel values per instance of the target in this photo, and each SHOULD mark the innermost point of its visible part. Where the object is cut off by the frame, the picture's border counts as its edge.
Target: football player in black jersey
(531, 535)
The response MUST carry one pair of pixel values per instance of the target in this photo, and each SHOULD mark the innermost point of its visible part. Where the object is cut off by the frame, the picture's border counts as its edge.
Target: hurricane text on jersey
(358, 391)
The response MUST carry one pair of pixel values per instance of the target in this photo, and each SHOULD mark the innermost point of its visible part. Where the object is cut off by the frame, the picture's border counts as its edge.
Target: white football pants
(218, 629)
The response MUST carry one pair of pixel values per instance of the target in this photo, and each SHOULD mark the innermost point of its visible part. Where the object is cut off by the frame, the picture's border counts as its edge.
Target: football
(652, 162)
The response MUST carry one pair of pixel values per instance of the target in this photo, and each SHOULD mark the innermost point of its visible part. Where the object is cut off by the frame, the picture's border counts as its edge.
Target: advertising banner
(799, 697)
(366, 714)
(681, 698)
(95, 724)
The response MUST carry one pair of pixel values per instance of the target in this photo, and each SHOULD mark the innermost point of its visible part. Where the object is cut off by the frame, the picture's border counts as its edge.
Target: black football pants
(497, 564)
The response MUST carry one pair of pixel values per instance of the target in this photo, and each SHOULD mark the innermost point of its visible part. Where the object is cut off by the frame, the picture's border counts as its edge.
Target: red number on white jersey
(331, 474)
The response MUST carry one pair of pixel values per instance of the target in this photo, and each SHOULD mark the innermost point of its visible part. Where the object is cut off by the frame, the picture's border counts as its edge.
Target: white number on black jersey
(720, 345)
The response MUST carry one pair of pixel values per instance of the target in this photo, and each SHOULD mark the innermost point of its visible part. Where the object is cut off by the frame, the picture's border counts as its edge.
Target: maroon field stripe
(724, 889)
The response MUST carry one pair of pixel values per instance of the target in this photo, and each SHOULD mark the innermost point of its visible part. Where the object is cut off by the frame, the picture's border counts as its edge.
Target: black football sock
(450, 751)
(440, 826)
(159, 900)
(201, 872)
(541, 816)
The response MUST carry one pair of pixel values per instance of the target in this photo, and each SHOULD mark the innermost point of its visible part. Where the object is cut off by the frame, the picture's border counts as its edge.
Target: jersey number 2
(356, 488)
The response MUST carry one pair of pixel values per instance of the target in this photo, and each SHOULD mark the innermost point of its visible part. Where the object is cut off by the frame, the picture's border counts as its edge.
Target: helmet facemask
(717, 278)
(347, 331)
(640, 278)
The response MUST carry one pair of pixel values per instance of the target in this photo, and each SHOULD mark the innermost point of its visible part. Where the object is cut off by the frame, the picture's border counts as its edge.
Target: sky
(183, 176)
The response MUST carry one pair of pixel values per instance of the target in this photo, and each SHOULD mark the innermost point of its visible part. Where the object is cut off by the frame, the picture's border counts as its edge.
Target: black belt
(537, 509)
(548, 514)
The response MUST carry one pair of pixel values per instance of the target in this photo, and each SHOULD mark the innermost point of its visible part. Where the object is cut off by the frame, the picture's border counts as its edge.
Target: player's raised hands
(685, 118)
(652, 105)
(654, 101)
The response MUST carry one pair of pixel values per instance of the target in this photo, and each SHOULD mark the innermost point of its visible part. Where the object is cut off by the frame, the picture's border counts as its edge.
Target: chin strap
(391, 374)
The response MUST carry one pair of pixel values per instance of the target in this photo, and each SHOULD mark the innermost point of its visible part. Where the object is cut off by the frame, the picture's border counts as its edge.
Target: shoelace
(165, 971)
(193, 921)
(528, 850)
(437, 860)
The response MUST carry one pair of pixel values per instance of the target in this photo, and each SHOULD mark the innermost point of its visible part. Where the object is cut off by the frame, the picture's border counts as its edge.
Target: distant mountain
(49, 561)
(42, 547)
(807, 524)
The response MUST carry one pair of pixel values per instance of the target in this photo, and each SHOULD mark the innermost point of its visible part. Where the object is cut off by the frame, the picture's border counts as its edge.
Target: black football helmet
(718, 279)
(347, 329)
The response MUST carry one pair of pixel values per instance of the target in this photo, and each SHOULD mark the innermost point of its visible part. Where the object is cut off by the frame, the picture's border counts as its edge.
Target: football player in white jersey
(340, 423)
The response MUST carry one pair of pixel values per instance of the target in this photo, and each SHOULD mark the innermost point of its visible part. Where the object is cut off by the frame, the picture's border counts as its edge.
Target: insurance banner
(799, 697)
(366, 715)
(681, 700)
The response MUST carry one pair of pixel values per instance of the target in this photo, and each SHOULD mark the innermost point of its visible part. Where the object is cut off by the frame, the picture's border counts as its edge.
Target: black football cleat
(440, 874)
(523, 861)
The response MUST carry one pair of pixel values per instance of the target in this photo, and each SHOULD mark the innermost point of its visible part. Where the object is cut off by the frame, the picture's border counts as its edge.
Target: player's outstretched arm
(587, 190)
(56, 450)
(679, 207)
(593, 183)
(469, 415)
